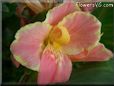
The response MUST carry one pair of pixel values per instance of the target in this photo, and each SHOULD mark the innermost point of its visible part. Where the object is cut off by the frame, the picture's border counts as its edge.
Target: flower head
(67, 34)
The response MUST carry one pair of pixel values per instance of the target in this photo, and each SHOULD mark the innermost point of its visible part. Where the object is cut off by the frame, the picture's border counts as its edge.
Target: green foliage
(106, 15)
(93, 73)
(8, 10)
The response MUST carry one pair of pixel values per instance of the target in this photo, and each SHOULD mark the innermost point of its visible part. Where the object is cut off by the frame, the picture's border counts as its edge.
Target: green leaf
(93, 73)
(105, 15)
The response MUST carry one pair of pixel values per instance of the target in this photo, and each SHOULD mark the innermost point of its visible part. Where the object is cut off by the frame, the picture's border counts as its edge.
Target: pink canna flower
(67, 34)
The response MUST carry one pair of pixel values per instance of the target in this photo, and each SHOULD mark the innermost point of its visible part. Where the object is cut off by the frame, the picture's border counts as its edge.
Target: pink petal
(27, 47)
(64, 70)
(79, 56)
(54, 67)
(84, 30)
(57, 13)
(48, 67)
(98, 53)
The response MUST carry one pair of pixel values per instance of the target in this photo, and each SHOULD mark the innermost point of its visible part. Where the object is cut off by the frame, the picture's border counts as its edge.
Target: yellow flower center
(60, 35)
(57, 37)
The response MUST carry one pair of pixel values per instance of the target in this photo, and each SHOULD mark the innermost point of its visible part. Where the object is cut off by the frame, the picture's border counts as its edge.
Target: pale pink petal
(84, 30)
(48, 67)
(64, 70)
(98, 53)
(57, 13)
(28, 45)
(79, 56)
(54, 67)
